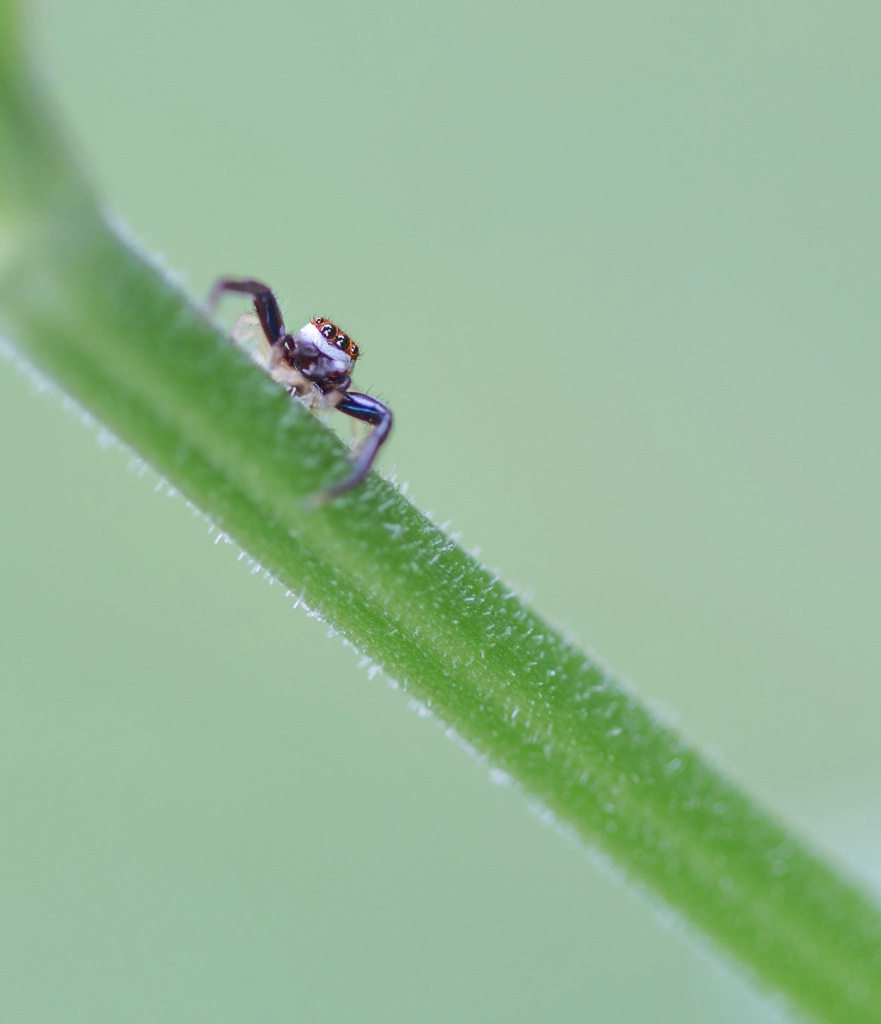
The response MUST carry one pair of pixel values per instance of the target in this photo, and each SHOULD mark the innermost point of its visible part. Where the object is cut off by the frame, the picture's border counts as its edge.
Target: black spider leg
(265, 304)
(269, 315)
(372, 411)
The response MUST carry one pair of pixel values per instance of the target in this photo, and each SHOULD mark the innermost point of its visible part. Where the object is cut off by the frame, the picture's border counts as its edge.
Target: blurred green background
(617, 270)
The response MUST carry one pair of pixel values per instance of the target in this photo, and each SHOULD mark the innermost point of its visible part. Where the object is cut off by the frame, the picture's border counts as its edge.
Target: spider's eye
(328, 330)
(344, 341)
(353, 351)
(318, 321)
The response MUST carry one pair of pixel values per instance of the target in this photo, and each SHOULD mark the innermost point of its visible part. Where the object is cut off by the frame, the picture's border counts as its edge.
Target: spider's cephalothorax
(337, 336)
(315, 364)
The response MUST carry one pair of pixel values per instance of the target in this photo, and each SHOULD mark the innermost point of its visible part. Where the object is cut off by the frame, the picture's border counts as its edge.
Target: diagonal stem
(92, 313)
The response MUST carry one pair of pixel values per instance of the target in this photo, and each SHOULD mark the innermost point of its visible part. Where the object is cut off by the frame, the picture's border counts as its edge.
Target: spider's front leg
(372, 411)
(284, 354)
(265, 304)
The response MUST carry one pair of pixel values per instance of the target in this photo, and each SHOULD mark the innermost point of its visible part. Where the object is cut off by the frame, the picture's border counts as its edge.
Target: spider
(314, 365)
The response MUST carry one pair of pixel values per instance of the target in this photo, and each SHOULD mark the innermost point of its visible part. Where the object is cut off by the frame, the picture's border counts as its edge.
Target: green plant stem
(88, 310)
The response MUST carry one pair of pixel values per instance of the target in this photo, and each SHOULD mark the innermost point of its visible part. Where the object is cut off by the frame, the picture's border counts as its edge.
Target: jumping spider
(315, 365)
